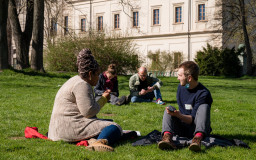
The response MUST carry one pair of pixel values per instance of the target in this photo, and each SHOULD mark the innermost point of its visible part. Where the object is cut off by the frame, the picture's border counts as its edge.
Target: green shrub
(215, 61)
(178, 58)
(61, 56)
(120, 51)
(160, 60)
(231, 65)
(209, 60)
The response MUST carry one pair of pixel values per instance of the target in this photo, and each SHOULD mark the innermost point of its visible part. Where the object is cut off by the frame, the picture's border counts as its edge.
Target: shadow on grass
(249, 138)
(30, 72)
(126, 141)
(172, 102)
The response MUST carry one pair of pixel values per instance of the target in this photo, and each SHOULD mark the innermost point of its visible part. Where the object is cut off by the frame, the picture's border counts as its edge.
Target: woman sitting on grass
(108, 81)
(75, 108)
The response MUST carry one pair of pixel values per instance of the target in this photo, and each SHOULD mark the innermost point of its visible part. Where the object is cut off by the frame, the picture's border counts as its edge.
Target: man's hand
(174, 114)
(184, 118)
(143, 92)
(106, 94)
(150, 89)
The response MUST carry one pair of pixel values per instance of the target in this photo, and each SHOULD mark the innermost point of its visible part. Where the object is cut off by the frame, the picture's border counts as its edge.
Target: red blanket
(32, 132)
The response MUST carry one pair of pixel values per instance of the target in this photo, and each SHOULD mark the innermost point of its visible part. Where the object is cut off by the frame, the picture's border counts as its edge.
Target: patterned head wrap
(86, 63)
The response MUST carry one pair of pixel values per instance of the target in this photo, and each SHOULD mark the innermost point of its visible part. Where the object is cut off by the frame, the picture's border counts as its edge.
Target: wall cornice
(175, 34)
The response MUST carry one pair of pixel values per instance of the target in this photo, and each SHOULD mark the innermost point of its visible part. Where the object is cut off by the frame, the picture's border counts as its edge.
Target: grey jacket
(134, 83)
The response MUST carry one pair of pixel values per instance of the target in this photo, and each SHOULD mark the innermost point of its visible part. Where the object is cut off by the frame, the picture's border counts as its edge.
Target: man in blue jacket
(193, 117)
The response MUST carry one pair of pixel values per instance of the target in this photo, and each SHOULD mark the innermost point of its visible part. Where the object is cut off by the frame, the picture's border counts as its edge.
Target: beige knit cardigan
(74, 112)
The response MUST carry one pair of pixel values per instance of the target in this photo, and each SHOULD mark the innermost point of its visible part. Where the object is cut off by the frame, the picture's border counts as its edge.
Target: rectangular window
(201, 12)
(116, 21)
(66, 25)
(83, 25)
(53, 26)
(178, 15)
(156, 17)
(135, 19)
(100, 23)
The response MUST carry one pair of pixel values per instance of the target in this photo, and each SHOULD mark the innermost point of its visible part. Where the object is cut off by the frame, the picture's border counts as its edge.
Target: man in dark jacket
(144, 88)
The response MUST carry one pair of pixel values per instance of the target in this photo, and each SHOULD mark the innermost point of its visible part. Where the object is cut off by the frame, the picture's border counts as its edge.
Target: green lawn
(26, 99)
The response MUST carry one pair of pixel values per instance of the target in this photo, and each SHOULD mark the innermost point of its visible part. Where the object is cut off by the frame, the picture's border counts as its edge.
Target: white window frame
(152, 15)
(197, 10)
(66, 28)
(113, 20)
(97, 22)
(176, 5)
(81, 30)
(54, 26)
(138, 19)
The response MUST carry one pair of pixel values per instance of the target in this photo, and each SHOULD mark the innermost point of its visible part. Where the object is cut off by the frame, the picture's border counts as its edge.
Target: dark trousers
(201, 123)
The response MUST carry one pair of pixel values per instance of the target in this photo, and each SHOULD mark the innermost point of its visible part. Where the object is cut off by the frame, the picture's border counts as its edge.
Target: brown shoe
(196, 144)
(166, 143)
(100, 145)
(91, 141)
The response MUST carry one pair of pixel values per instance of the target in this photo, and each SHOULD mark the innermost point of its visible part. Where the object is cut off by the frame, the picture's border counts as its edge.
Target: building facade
(183, 26)
(167, 25)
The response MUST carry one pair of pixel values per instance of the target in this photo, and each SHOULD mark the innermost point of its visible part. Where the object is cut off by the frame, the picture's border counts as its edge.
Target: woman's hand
(106, 94)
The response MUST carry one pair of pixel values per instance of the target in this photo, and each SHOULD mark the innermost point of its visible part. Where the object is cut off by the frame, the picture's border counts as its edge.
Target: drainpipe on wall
(189, 27)
(90, 29)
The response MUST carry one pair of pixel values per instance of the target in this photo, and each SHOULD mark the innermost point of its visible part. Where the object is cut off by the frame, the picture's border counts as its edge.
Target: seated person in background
(108, 82)
(193, 117)
(74, 112)
(144, 88)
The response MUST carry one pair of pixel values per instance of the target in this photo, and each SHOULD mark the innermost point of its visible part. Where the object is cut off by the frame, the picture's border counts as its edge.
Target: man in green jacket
(144, 88)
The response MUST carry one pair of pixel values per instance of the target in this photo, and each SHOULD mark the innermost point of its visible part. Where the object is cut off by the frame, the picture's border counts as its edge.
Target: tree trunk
(246, 38)
(38, 36)
(9, 42)
(3, 34)
(21, 39)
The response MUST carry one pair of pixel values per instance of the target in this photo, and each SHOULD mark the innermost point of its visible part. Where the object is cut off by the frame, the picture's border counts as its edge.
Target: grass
(26, 99)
